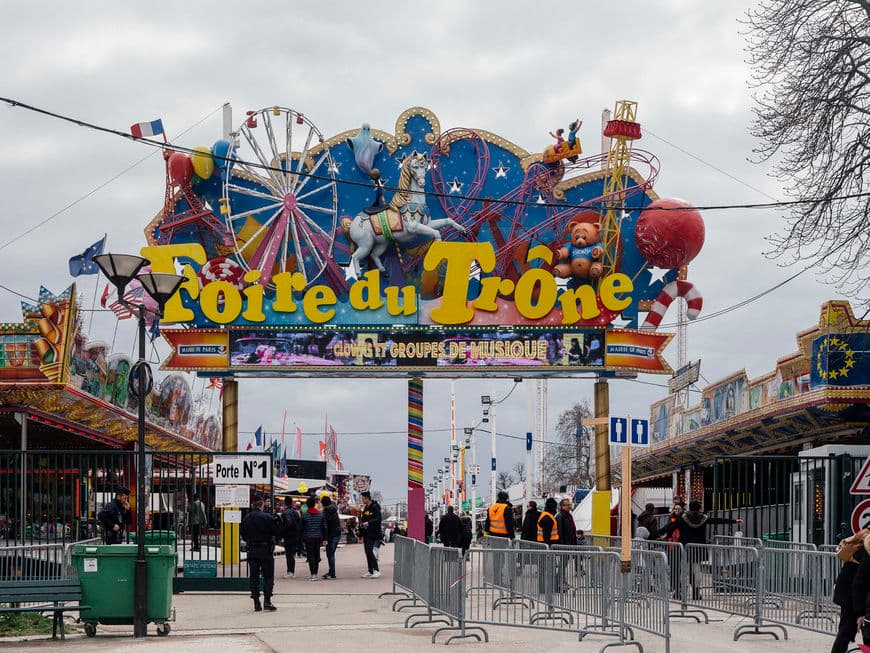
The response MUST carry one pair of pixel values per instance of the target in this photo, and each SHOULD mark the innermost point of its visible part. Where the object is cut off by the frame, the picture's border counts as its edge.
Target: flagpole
(94, 303)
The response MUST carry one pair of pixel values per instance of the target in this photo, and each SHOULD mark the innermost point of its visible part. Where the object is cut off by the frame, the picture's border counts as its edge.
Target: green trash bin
(106, 574)
(158, 537)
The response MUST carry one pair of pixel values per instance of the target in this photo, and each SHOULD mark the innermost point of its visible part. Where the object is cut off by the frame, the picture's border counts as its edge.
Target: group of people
(683, 526)
(552, 525)
(319, 525)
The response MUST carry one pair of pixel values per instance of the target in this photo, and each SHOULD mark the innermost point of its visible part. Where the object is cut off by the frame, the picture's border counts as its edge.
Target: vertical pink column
(416, 493)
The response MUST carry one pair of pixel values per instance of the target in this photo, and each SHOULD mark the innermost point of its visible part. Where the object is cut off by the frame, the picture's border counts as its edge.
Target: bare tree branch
(812, 115)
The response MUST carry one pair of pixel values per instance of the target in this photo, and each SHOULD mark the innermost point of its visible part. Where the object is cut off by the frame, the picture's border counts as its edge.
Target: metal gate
(53, 498)
(793, 498)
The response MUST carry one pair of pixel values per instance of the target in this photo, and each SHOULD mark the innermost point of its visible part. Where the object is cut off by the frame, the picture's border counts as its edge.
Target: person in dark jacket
(500, 517)
(333, 533)
(258, 530)
(850, 589)
(313, 535)
(291, 522)
(547, 532)
(693, 529)
(465, 519)
(450, 528)
(529, 530)
(371, 530)
(647, 520)
(113, 516)
(565, 524)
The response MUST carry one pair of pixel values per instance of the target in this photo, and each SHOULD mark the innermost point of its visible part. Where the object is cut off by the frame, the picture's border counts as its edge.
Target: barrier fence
(581, 589)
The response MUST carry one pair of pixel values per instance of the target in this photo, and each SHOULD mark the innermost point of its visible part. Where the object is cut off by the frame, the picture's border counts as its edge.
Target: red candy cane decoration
(668, 294)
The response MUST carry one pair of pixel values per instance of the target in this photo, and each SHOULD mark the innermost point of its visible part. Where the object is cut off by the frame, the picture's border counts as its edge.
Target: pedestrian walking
(850, 589)
(371, 530)
(465, 519)
(291, 523)
(113, 516)
(529, 530)
(197, 518)
(500, 518)
(333, 533)
(313, 535)
(259, 530)
(451, 529)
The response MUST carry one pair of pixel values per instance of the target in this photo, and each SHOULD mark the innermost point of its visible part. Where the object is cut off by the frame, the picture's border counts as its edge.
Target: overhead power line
(456, 196)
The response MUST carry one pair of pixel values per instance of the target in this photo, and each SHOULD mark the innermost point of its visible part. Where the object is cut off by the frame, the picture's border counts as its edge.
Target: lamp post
(120, 270)
(489, 412)
(469, 434)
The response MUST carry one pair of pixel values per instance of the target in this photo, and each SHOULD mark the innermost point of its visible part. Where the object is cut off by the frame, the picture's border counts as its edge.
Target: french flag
(141, 129)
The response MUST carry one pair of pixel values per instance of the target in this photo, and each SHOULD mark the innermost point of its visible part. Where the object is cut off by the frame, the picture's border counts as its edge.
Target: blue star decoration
(401, 159)
(455, 186)
(501, 170)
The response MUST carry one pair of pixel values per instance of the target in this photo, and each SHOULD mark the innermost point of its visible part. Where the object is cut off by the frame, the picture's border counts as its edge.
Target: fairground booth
(68, 428)
(786, 451)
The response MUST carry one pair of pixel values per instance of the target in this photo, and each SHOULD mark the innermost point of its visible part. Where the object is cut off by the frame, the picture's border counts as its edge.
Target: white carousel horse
(404, 218)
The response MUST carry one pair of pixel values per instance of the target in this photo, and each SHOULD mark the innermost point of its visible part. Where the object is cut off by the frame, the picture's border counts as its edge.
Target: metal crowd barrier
(726, 579)
(403, 566)
(787, 544)
(735, 540)
(33, 562)
(798, 589)
(447, 584)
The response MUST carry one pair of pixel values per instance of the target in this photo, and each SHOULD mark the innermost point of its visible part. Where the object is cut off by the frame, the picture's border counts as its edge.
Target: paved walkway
(345, 615)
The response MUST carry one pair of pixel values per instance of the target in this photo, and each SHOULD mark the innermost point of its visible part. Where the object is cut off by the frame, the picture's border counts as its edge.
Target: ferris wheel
(281, 204)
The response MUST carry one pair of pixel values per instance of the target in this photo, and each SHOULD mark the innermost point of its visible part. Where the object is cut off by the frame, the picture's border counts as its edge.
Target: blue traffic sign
(618, 430)
(640, 432)
(528, 441)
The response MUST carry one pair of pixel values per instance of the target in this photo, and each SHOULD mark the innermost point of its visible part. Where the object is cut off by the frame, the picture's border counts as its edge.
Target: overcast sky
(512, 68)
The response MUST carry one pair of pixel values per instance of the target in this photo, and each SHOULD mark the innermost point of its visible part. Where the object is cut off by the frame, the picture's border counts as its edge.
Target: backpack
(291, 520)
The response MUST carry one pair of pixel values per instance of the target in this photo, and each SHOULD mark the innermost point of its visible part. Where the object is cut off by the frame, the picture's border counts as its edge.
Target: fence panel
(646, 604)
(734, 540)
(52, 497)
(786, 544)
(447, 577)
(798, 589)
(33, 562)
(403, 563)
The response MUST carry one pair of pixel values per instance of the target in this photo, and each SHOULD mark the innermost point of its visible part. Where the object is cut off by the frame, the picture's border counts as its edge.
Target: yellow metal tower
(622, 130)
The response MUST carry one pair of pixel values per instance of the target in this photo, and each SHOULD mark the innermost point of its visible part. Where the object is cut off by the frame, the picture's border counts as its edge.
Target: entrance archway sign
(408, 253)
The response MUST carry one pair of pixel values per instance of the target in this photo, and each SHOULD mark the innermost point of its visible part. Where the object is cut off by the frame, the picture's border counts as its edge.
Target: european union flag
(841, 359)
(84, 262)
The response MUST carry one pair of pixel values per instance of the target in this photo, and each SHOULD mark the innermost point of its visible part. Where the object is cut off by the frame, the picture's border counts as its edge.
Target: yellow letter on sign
(454, 308)
(162, 259)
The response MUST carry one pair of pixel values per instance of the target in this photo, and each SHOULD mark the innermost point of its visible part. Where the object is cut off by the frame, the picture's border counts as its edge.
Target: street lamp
(120, 270)
(469, 443)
